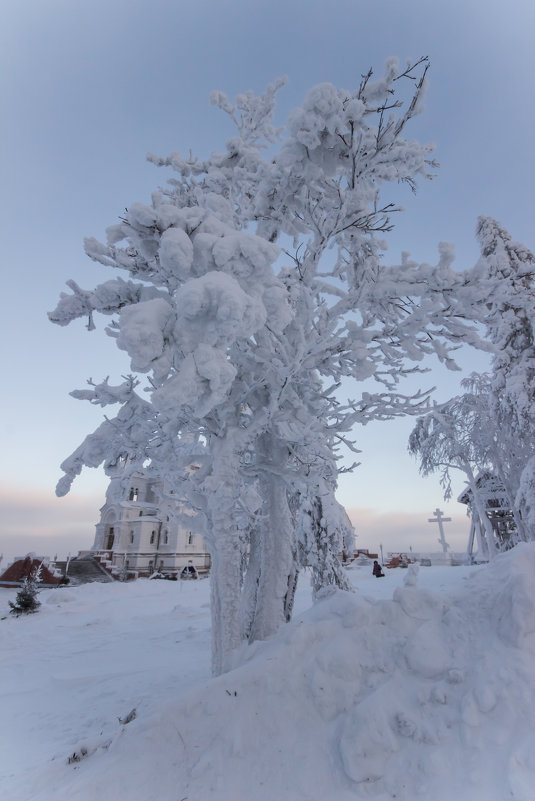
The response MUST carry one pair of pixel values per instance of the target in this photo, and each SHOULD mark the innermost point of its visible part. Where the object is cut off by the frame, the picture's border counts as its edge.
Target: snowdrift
(426, 695)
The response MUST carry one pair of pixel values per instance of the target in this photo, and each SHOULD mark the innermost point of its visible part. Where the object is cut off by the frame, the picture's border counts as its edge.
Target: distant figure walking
(377, 570)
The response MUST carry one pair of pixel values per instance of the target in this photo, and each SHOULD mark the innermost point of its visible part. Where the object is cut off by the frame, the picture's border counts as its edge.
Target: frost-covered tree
(492, 426)
(491, 440)
(456, 436)
(505, 281)
(525, 499)
(246, 346)
(321, 531)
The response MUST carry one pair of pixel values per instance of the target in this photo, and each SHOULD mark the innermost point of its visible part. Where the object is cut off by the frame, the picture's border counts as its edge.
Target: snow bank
(426, 692)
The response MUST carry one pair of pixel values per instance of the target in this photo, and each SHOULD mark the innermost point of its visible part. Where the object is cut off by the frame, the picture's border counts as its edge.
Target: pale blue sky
(90, 86)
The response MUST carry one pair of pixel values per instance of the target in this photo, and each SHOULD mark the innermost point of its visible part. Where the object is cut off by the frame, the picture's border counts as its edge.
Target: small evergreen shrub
(26, 600)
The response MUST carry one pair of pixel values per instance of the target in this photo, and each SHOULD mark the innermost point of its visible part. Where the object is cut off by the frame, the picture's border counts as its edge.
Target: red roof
(24, 568)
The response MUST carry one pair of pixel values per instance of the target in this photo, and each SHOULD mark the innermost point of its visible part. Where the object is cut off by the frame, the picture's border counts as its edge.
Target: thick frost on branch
(120, 438)
(106, 298)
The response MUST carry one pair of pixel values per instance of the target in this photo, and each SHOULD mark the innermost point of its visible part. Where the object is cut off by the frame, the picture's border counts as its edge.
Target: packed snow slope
(417, 686)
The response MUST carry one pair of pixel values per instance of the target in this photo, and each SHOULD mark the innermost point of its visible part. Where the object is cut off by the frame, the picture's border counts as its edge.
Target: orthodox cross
(439, 519)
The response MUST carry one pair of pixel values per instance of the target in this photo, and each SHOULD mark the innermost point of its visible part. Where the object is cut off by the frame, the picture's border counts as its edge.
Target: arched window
(110, 539)
(190, 538)
(131, 536)
(165, 537)
(152, 535)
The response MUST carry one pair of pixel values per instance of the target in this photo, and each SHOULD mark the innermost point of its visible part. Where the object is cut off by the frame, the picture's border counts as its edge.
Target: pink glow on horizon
(399, 531)
(38, 521)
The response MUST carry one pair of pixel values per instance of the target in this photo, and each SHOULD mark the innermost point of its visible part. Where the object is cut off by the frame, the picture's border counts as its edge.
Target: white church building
(142, 531)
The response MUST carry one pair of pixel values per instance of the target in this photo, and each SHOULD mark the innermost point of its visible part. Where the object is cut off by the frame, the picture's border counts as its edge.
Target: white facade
(140, 531)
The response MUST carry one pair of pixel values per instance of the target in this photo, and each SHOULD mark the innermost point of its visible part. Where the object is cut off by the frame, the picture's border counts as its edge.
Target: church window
(190, 538)
(131, 536)
(109, 544)
(152, 535)
(166, 538)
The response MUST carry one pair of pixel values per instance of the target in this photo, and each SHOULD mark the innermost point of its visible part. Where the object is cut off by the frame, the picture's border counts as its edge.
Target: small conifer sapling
(26, 600)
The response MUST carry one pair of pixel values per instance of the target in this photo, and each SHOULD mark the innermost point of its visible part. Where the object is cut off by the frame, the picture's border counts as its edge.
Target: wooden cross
(439, 519)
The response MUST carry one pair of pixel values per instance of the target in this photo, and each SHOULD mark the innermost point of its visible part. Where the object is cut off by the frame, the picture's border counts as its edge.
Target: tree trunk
(250, 582)
(225, 602)
(277, 561)
(225, 572)
(290, 593)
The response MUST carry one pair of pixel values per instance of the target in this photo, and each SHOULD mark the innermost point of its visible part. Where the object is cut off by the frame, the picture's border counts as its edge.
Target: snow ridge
(427, 695)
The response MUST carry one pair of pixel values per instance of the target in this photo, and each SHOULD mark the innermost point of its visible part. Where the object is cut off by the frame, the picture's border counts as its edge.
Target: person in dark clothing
(377, 570)
(189, 571)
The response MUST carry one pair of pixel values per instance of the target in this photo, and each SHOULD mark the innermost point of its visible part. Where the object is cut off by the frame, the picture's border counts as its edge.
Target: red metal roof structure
(28, 567)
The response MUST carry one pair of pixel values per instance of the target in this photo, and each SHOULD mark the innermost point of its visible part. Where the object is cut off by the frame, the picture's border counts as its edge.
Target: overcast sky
(90, 86)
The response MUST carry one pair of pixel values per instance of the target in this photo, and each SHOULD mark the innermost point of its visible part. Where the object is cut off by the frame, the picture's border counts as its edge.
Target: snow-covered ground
(422, 691)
